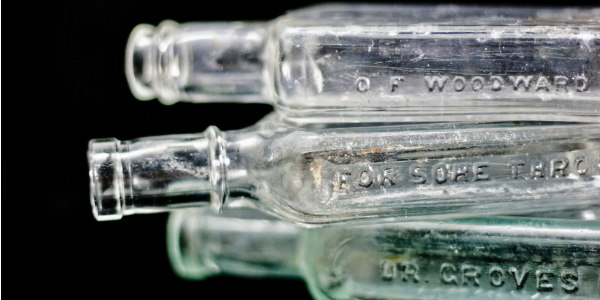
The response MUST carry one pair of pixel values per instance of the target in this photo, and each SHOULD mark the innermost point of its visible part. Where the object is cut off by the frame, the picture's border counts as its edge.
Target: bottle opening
(138, 65)
(106, 179)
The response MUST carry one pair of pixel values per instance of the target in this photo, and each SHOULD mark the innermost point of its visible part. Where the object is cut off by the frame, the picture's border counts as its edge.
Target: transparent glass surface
(316, 176)
(487, 258)
(198, 62)
(382, 63)
(242, 242)
(484, 258)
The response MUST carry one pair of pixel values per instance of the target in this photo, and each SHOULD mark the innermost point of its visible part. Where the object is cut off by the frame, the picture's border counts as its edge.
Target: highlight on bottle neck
(196, 62)
(157, 173)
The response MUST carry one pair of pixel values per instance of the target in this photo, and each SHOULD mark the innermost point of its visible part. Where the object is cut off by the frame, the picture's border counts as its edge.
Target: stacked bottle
(382, 63)
(481, 258)
(369, 173)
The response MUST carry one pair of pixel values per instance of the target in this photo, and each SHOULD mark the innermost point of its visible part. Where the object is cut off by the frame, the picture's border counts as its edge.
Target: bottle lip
(139, 45)
(100, 151)
(173, 246)
(198, 270)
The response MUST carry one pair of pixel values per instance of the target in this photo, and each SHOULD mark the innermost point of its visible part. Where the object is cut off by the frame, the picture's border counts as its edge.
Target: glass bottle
(242, 242)
(316, 176)
(482, 258)
(381, 63)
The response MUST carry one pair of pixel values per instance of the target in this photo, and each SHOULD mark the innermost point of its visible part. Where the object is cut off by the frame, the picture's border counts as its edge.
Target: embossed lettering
(561, 82)
(343, 179)
(497, 83)
(543, 280)
(433, 81)
(418, 173)
(478, 171)
(558, 166)
(394, 174)
(569, 281)
(365, 177)
(440, 172)
(537, 169)
(363, 84)
(581, 83)
(477, 83)
(395, 81)
(542, 83)
(514, 165)
(389, 270)
(459, 170)
(447, 277)
(459, 83)
(496, 276)
(581, 165)
(520, 80)
(519, 83)
(470, 273)
(410, 270)
(519, 279)
(387, 178)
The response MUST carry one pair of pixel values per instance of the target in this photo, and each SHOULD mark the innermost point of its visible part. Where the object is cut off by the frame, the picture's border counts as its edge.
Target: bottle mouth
(146, 62)
(138, 62)
(187, 260)
(106, 179)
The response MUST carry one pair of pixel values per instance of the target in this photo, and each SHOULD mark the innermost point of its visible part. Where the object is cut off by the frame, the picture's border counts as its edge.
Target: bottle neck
(157, 173)
(243, 242)
(197, 62)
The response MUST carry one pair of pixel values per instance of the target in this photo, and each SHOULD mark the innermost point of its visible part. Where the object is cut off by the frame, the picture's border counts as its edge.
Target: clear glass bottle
(317, 176)
(483, 258)
(382, 63)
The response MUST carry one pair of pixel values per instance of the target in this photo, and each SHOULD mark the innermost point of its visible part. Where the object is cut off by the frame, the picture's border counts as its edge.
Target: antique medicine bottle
(382, 63)
(316, 176)
(483, 258)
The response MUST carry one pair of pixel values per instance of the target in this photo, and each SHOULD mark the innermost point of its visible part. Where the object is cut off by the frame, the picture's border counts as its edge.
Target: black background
(67, 84)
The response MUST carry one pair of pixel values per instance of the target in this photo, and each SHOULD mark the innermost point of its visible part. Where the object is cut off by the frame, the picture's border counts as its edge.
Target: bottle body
(485, 258)
(382, 63)
(408, 172)
(331, 175)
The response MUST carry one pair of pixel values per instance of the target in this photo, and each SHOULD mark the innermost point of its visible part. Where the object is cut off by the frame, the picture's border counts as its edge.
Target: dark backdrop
(67, 86)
